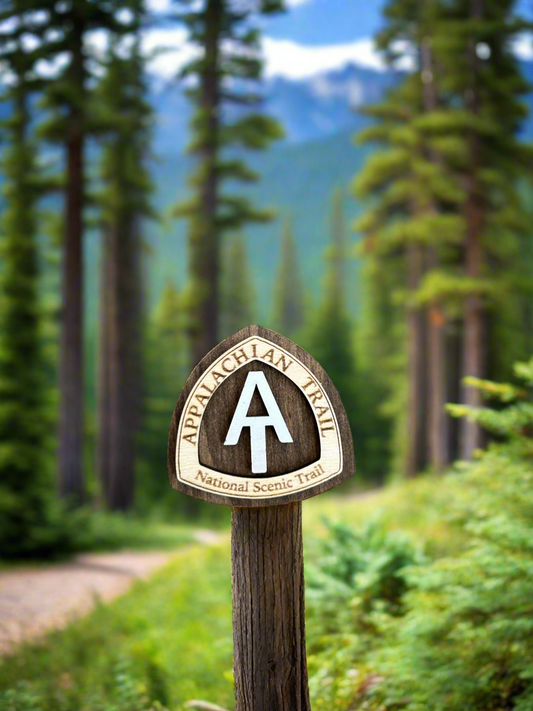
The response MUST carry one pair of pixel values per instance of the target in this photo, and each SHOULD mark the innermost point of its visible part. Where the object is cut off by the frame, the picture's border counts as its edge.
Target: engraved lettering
(225, 368)
(317, 395)
(285, 366)
(309, 382)
(269, 355)
(240, 355)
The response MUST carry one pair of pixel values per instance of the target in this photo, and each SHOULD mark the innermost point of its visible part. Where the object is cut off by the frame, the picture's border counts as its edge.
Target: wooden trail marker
(259, 426)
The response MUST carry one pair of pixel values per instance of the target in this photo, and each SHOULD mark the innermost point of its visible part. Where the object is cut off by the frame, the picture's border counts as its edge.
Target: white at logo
(258, 424)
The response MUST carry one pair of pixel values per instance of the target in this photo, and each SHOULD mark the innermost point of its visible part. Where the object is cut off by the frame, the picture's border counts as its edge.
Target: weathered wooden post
(260, 427)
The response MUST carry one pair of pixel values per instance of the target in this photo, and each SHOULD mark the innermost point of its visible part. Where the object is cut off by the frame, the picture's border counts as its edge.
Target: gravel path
(36, 600)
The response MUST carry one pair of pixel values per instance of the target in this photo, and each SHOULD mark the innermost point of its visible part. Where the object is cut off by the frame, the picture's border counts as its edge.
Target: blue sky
(319, 22)
(312, 37)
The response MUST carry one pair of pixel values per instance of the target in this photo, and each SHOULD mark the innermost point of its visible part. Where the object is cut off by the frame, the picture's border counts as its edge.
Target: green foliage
(288, 294)
(166, 642)
(466, 641)
(357, 581)
(329, 337)
(445, 219)
(126, 695)
(167, 367)
(237, 287)
(357, 573)
(227, 73)
(31, 521)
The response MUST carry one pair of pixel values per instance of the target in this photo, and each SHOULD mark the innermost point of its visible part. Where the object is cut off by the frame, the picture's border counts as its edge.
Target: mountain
(308, 109)
(297, 175)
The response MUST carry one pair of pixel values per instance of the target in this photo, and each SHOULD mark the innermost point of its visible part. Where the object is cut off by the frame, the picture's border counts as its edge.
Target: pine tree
(237, 288)
(167, 368)
(226, 75)
(329, 336)
(484, 79)
(288, 294)
(124, 201)
(64, 34)
(29, 523)
(423, 182)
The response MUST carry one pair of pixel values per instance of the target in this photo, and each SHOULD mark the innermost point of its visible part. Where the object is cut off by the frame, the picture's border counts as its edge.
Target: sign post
(259, 426)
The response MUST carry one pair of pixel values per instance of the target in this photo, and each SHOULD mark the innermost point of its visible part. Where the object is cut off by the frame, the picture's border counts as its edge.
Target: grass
(171, 636)
(424, 507)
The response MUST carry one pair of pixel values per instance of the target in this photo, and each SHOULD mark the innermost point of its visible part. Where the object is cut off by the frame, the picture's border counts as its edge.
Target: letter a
(259, 424)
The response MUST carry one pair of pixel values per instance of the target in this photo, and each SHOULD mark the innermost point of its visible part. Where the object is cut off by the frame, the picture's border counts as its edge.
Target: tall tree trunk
(122, 353)
(438, 439)
(71, 483)
(205, 247)
(439, 453)
(104, 384)
(474, 345)
(416, 459)
(454, 351)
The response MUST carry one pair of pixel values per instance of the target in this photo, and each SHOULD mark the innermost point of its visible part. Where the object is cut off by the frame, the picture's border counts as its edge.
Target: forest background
(354, 176)
(160, 194)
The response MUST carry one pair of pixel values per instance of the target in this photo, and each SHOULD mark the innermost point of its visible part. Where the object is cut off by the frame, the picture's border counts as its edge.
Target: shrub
(467, 639)
(354, 588)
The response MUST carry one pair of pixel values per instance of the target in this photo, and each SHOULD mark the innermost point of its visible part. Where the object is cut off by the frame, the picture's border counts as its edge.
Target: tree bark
(270, 666)
(205, 247)
(438, 439)
(474, 344)
(439, 453)
(416, 459)
(70, 454)
(121, 367)
(104, 381)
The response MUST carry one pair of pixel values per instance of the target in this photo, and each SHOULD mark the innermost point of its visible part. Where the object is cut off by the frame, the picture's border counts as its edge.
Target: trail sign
(258, 420)
(259, 426)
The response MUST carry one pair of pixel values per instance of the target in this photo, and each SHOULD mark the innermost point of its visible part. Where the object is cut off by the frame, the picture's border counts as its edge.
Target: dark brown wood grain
(270, 666)
(237, 459)
(221, 411)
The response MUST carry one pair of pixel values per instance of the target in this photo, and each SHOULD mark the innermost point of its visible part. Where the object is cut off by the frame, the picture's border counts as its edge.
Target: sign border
(312, 366)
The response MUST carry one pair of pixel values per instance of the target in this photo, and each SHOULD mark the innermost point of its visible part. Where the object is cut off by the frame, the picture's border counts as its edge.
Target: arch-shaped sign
(258, 422)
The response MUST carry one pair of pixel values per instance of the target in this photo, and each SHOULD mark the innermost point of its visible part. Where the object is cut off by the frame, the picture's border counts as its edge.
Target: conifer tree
(167, 367)
(124, 201)
(427, 189)
(226, 73)
(329, 336)
(68, 98)
(484, 79)
(29, 522)
(237, 288)
(288, 294)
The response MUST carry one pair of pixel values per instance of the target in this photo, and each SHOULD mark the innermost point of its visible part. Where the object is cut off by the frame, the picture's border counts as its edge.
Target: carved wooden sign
(259, 426)
(258, 420)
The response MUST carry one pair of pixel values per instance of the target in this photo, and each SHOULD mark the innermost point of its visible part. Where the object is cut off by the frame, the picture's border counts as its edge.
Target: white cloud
(297, 61)
(523, 46)
(169, 50)
(283, 58)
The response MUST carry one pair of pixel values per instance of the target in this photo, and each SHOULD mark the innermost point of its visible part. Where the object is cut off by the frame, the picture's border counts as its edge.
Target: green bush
(467, 639)
(125, 694)
(355, 586)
